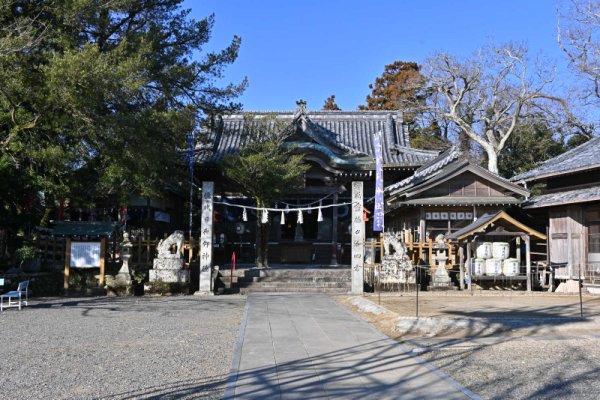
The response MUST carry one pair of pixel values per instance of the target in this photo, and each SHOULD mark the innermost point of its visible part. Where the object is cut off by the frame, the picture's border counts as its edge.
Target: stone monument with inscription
(168, 265)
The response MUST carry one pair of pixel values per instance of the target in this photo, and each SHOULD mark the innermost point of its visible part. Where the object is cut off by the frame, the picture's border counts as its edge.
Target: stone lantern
(124, 275)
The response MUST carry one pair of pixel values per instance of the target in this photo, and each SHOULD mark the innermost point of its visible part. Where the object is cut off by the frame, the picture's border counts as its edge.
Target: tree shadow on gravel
(532, 370)
(206, 388)
(136, 304)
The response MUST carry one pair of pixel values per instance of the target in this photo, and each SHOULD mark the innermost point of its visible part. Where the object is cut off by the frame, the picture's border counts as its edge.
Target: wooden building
(570, 205)
(338, 146)
(445, 195)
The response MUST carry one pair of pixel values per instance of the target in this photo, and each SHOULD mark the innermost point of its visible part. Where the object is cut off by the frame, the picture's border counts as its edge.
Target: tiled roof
(427, 170)
(567, 197)
(584, 157)
(461, 201)
(347, 133)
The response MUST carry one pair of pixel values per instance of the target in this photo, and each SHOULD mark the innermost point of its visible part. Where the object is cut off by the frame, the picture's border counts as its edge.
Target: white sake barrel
(478, 266)
(500, 250)
(493, 267)
(484, 250)
(510, 267)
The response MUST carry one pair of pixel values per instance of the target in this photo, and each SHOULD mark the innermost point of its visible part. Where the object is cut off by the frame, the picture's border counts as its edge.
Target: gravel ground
(543, 351)
(119, 348)
(540, 369)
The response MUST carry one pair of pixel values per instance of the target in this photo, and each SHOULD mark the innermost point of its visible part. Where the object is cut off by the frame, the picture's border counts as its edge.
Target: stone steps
(288, 280)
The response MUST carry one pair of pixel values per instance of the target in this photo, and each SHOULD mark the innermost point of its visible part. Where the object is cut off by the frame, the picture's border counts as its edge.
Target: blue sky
(311, 49)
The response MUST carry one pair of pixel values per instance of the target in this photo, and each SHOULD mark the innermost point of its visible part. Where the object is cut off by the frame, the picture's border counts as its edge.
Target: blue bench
(16, 297)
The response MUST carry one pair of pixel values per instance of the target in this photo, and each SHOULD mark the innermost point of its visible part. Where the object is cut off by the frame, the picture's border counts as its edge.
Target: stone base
(169, 275)
(119, 285)
(166, 288)
(203, 293)
(167, 263)
(441, 288)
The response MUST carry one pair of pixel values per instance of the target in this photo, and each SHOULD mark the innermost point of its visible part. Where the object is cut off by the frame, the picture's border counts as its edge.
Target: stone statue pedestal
(168, 266)
(440, 279)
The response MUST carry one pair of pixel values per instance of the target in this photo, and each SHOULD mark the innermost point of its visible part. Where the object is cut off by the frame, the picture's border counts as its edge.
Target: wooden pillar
(67, 262)
(518, 243)
(102, 260)
(528, 261)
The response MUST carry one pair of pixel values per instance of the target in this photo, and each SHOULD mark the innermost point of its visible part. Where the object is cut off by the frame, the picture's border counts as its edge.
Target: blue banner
(378, 212)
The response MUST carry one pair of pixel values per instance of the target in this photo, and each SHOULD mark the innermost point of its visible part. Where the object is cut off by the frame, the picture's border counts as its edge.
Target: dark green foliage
(97, 96)
(529, 145)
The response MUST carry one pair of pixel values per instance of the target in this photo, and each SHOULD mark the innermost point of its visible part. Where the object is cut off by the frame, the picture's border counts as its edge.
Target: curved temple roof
(345, 138)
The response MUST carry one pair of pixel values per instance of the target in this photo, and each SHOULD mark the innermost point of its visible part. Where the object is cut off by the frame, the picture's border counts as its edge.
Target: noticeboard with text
(85, 254)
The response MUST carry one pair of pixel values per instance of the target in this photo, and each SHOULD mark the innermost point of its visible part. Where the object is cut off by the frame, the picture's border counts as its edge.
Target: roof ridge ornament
(300, 109)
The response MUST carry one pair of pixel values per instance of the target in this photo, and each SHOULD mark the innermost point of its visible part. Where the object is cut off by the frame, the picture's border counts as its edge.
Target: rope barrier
(282, 209)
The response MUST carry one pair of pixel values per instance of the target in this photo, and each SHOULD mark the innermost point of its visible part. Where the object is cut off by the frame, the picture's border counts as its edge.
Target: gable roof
(447, 165)
(340, 135)
(483, 222)
(581, 158)
(581, 195)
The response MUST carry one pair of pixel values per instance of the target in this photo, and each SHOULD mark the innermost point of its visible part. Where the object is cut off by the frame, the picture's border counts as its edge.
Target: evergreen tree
(399, 82)
(97, 96)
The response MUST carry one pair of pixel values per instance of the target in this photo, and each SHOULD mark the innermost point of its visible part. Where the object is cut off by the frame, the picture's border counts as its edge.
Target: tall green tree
(531, 144)
(97, 96)
(266, 169)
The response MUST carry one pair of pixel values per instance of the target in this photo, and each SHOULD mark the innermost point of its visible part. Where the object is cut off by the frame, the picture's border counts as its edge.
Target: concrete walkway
(306, 346)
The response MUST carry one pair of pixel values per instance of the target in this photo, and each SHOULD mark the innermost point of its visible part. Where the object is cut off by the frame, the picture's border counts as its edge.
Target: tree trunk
(262, 243)
(492, 160)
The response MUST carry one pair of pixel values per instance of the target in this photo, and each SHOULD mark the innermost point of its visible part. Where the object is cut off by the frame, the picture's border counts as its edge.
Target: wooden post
(461, 267)
(139, 250)
(528, 261)
(191, 250)
(518, 243)
(102, 257)
(430, 257)
(471, 274)
(67, 262)
(148, 249)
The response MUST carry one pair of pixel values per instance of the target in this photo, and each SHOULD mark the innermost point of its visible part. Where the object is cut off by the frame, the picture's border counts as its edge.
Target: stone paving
(306, 346)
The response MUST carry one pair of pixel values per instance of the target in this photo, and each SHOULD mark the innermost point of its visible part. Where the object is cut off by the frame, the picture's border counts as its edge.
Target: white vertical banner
(206, 237)
(358, 237)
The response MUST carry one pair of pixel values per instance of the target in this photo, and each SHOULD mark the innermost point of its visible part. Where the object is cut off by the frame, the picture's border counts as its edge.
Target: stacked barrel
(493, 260)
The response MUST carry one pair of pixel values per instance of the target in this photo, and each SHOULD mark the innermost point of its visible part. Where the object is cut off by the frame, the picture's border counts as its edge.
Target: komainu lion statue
(170, 247)
(396, 266)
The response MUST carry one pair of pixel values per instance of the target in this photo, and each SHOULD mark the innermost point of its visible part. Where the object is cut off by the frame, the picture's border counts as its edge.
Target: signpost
(358, 237)
(206, 238)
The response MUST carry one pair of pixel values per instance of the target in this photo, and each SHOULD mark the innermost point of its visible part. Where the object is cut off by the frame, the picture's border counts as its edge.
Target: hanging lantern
(282, 222)
(320, 215)
(300, 217)
(244, 215)
(265, 217)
